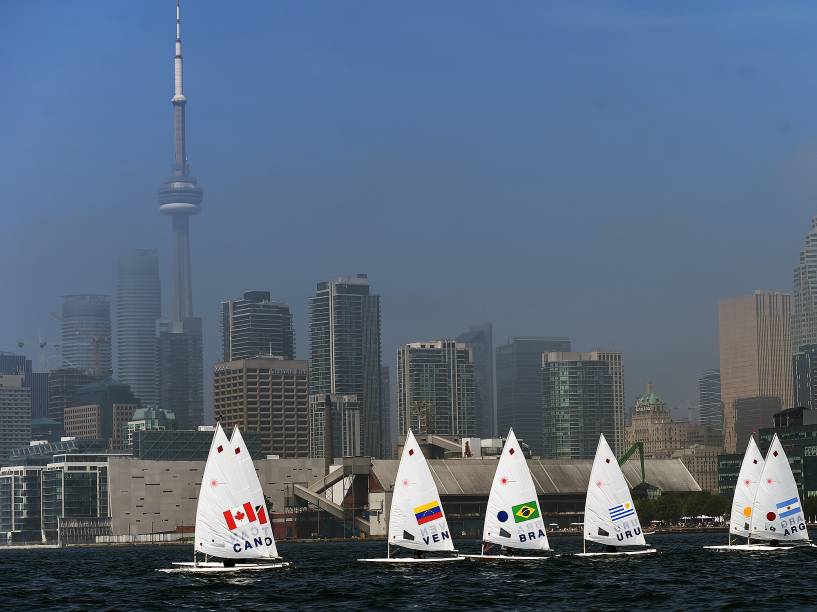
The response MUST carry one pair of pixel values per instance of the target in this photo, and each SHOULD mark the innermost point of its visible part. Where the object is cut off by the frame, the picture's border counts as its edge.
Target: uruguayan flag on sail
(788, 507)
(621, 511)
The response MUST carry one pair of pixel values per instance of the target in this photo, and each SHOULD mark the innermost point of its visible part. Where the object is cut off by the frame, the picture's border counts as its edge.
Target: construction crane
(637, 446)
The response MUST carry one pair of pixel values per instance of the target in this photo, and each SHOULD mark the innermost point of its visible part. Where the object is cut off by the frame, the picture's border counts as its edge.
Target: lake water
(327, 576)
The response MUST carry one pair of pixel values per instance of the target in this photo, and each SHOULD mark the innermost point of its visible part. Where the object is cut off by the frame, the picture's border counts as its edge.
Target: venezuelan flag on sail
(428, 512)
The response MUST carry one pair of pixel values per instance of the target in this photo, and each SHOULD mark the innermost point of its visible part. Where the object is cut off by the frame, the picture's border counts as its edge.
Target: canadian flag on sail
(245, 514)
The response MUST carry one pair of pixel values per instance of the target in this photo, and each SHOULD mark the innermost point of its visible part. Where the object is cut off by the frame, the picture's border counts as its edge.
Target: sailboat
(416, 518)
(513, 519)
(745, 491)
(232, 523)
(610, 518)
(777, 514)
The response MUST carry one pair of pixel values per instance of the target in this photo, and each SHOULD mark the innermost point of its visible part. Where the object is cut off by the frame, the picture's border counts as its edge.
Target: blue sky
(606, 171)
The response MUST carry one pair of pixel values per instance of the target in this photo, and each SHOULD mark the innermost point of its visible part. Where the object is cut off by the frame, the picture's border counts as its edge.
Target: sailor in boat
(229, 562)
(418, 554)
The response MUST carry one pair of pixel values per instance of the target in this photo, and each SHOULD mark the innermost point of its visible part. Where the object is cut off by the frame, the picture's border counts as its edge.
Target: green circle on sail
(525, 512)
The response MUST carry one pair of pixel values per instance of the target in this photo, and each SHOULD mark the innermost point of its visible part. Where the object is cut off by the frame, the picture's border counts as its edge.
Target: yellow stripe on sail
(425, 507)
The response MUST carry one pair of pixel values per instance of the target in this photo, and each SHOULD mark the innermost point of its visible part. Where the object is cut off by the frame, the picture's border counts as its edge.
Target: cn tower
(180, 196)
(180, 339)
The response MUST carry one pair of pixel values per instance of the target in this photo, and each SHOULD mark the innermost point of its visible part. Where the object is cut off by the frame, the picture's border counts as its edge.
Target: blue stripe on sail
(788, 502)
(622, 511)
(790, 512)
(617, 517)
(614, 508)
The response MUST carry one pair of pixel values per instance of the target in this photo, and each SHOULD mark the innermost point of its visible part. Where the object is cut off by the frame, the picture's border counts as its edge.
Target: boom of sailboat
(234, 532)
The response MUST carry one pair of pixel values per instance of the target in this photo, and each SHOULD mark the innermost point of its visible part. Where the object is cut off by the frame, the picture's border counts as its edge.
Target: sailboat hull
(214, 567)
(756, 547)
(505, 558)
(401, 560)
(622, 553)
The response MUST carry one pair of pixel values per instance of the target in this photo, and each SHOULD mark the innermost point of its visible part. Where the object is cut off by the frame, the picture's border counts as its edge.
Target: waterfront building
(86, 333)
(435, 388)
(804, 295)
(344, 332)
(180, 339)
(342, 412)
(578, 403)
(267, 395)
(15, 414)
(20, 504)
(710, 408)
(138, 310)
(75, 487)
(256, 326)
(62, 384)
(755, 354)
(480, 339)
(518, 386)
(797, 430)
(663, 437)
(185, 444)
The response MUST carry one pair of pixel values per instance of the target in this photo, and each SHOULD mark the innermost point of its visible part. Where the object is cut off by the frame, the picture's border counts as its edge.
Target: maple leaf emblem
(239, 515)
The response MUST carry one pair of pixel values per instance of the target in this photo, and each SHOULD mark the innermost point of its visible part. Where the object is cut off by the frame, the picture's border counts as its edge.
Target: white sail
(231, 517)
(513, 517)
(416, 518)
(609, 512)
(746, 489)
(777, 513)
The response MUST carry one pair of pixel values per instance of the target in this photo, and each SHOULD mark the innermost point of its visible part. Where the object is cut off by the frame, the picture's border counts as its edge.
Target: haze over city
(558, 170)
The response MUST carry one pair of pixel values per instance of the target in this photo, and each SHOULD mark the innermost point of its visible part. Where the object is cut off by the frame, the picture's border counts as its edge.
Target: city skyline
(410, 311)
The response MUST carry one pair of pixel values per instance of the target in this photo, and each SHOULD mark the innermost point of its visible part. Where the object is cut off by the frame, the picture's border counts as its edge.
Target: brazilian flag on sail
(525, 512)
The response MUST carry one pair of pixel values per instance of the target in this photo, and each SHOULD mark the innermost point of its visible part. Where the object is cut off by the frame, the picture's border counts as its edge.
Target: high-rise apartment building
(755, 353)
(267, 395)
(15, 415)
(518, 386)
(578, 402)
(435, 388)
(390, 427)
(86, 333)
(36, 381)
(342, 437)
(256, 326)
(753, 414)
(710, 408)
(804, 297)
(180, 338)
(138, 310)
(481, 340)
(344, 330)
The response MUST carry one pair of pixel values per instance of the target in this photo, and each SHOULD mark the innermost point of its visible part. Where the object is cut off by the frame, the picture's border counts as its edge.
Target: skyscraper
(256, 326)
(578, 404)
(86, 333)
(180, 342)
(755, 353)
(805, 376)
(15, 414)
(710, 408)
(804, 298)
(138, 309)
(518, 386)
(435, 382)
(344, 329)
(63, 383)
(267, 395)
(342, 437)
(481, 340)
